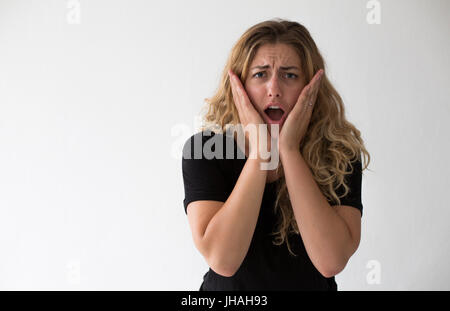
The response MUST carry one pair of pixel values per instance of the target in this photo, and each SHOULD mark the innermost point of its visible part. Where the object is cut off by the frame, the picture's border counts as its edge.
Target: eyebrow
(267, 66)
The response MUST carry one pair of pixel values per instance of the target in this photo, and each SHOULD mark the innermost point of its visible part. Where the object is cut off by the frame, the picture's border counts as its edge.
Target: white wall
(91, 188)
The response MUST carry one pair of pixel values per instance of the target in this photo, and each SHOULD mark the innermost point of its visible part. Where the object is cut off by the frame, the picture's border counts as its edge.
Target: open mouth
(274, 114)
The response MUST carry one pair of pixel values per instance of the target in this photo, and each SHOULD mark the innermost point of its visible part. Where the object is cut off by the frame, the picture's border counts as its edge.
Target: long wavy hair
(330, 145)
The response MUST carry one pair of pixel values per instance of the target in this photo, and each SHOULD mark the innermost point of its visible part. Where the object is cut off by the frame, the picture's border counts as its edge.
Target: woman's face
(275, 77)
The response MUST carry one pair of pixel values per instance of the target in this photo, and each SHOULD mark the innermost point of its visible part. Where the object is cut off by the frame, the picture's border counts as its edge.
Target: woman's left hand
(296, 123)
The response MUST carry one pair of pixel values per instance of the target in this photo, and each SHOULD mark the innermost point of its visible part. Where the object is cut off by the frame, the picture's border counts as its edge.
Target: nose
(273, 88)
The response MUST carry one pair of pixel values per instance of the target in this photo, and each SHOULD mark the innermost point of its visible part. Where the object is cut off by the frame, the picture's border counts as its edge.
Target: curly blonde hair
(330, 144)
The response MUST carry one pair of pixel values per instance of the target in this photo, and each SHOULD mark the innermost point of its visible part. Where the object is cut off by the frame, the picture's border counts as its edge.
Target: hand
(296, 124)
(248, 115)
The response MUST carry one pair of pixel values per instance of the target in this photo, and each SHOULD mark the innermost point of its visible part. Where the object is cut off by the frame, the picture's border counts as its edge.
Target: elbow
(222, 268)
(228, 273)
(329, 273)
(331, 270)
(221, 264)
(335, 263)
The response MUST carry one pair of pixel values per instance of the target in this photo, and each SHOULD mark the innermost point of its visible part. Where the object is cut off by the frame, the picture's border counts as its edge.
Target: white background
(94, 112)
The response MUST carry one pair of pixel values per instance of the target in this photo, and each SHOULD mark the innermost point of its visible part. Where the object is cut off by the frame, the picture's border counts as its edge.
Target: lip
(274, 104)
(270, 121)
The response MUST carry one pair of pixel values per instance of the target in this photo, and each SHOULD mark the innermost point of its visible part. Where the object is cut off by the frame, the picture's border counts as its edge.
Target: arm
(228, 234)
(326, 234)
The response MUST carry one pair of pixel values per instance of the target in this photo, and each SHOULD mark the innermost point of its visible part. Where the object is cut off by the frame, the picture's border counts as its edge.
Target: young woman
(293, 227)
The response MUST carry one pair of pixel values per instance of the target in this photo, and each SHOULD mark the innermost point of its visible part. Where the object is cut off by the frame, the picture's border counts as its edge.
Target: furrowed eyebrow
(267, 66)
(290, 67)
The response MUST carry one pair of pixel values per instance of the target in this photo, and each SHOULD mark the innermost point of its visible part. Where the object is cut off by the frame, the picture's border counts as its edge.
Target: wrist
(257, 157)
(285, 152)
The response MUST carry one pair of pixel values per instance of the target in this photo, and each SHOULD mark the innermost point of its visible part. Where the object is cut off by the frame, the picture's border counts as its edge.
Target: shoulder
(353, 175)
(355, 167)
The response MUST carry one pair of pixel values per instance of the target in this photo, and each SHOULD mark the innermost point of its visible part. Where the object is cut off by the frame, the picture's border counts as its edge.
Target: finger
(304, 94)
(234, 92)
(315, 80)
(302, 98)
(317, 76)
(239, 88)
(236, 87)
(319, 82)
(315, 86)
(245, 108)
(248, 109)
(312, 97)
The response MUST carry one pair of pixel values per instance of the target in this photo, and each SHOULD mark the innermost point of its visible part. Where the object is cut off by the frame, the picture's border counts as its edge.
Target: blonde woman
(295, 226)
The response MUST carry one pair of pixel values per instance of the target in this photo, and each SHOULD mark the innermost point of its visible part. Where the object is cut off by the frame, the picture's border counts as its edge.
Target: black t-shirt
(266, 266)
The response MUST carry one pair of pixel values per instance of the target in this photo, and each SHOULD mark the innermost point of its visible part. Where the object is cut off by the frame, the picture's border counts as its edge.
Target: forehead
(276, 55)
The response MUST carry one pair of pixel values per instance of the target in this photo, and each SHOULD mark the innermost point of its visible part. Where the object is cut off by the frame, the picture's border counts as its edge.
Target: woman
(293, 227)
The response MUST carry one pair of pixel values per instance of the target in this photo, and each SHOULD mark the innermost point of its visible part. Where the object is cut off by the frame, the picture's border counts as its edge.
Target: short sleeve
(202, 177)
(354, 182)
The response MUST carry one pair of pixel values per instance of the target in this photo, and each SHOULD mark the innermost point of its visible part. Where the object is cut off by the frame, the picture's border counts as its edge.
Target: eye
(288, 74)
(292, 74)
(261, 72)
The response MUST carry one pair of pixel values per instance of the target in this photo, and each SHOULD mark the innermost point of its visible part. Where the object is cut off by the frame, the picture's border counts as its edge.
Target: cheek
(256, 96)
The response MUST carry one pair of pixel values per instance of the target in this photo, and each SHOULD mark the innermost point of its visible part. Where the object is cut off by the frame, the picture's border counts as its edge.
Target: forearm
(230, 231)
(325, 234)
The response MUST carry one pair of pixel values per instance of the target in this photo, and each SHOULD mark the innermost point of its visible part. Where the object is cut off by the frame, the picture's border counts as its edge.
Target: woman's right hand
(248, 115)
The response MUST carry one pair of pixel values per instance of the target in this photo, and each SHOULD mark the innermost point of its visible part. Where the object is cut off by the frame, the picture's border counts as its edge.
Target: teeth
(274, 107)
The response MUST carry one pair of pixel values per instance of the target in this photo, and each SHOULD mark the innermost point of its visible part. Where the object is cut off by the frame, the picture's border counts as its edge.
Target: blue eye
(291, 75)
(295, 76)
(261, 72)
